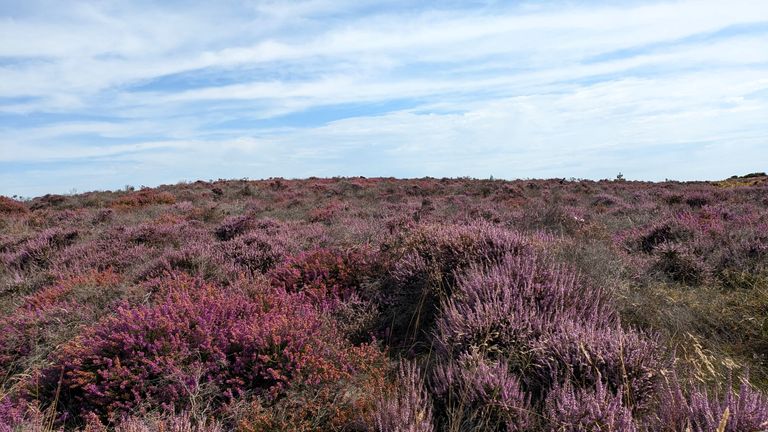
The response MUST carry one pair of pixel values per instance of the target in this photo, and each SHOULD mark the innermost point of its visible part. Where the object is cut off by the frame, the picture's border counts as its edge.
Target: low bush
(143, 198)
(10, 206)
(197, 343)
(587, 409)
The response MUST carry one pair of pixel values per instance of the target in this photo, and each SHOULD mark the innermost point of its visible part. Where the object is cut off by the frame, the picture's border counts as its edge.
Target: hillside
(358, 304)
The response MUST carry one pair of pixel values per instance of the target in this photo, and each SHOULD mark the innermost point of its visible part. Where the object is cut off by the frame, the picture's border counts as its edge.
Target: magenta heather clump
(324, 273)
(482, 392)
(200, 339)
(38, 251)
(407, 408)
(283, 304)
(587, 409)
(698, 410)
(504, 310)
(627, 363)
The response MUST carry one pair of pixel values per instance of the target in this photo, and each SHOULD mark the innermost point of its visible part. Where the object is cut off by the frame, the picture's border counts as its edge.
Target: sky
(102, 94)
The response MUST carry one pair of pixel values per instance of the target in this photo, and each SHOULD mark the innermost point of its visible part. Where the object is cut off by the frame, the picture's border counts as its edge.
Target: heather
(387, 305)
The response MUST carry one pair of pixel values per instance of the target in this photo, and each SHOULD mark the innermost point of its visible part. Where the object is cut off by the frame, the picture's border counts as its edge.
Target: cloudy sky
(96, 95)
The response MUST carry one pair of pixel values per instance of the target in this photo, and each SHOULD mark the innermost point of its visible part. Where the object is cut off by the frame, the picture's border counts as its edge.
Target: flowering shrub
(433, 254)
(508, 306)
(582, 410)
(184, 422)
(347, 404)
(426, 264)
(625, 362)
(327, 213)
(606, 200)
(281, 305)
(407, 408)
(143, 198)
(205, 341)
(253, 253)
(715, 243)
(697, 199)
(10, 206)
(324, 273)
(482, 393)
(38, 251)
(679, 264)
(745, 410)
(52, 316)
(234, 226)
(662, 234)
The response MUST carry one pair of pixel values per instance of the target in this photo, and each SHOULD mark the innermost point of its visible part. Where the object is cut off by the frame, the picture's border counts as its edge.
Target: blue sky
(96, 95)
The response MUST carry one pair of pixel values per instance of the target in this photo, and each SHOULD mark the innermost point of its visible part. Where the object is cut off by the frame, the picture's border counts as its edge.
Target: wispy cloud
(96, 95)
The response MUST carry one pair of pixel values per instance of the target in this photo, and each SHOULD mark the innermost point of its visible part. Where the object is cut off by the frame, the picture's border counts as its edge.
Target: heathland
(355, 304)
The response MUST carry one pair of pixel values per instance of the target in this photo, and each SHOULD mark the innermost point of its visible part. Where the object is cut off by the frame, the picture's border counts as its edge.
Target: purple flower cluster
(408, 407)
(199, 339)
(386, 305)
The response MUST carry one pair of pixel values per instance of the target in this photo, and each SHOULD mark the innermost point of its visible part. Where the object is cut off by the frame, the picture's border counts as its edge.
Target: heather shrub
(143, 198)
(606, 200)
(679, 264)
(474, 393)
(669, 232)
(356, 318)
(742, 262)
(10, 206)
(549, 216)
(197, 342)
(37, 252)
(327, 213)
(255, 252)
(47, 201)
(18, 415)
(324, 273)
(347, 404)
(697, 199)
(435, 253)
(570, 409)
(200, 259)
(713, 244)
(155, 234)
(407, 408)
(626, 362)
(425, 265)
(184, 422)
(52, 316)
(698, 411)
(234, 226)
(547, 326)
(501, 311)
(101, 254)
(102, 216)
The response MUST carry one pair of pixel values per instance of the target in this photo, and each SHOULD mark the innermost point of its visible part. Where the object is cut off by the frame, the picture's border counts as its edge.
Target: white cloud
(528, 89)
